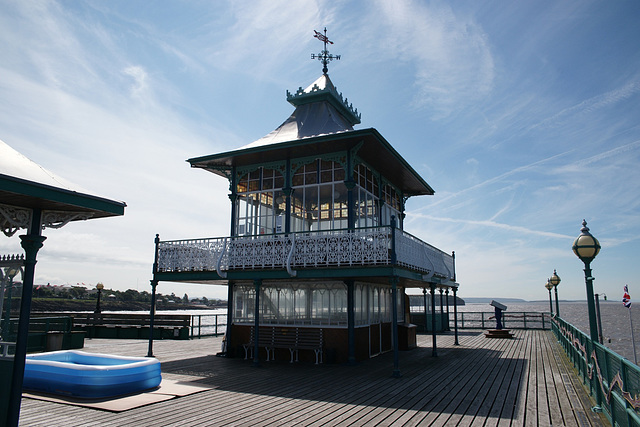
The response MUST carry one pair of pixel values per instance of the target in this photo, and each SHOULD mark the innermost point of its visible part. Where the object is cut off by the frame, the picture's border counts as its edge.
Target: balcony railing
(293, 251)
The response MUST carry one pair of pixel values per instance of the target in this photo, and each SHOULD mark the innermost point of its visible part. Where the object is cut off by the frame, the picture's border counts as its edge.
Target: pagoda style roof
(320, 110)
(26, 184)
(322, 123)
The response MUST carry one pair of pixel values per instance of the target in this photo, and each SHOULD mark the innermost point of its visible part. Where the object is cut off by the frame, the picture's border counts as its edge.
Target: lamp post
(555, 281)
(586, 247)
(598, 317)
(99, 287)
(549, 286)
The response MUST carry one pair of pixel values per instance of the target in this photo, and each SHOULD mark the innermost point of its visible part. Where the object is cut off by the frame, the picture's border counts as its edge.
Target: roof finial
(324, 56)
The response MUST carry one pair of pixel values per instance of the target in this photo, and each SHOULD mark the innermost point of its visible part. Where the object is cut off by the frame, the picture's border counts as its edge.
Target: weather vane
(325, 57)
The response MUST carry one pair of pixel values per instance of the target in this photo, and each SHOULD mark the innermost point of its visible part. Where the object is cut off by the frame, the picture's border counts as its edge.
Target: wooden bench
(293, 339)
(265, 340)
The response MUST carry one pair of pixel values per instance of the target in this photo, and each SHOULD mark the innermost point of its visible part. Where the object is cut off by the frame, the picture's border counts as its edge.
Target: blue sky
(523, 116)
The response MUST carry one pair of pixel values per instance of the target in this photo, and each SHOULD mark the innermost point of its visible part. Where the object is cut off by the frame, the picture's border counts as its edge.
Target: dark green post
(394, 332)
(455, 314)
(424, 294)
(31, 243)
(586, 247)
(256, 323)
(154, 284)
(434, 350)
(351, 322)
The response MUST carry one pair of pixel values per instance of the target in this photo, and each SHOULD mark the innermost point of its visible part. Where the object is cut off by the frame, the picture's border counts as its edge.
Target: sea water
(616, 330)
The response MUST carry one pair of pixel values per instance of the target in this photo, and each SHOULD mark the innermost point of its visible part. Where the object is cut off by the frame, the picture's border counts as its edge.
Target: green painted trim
(382, 273)
(44, 193)
(280, 166)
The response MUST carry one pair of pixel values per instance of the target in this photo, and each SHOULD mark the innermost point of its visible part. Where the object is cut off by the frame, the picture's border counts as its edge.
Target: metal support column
(447, 294)
(424, 294)
(394, 332)
(434, 350)
(256, 323)
(455, 315)
(351, 322)
(154, 285)
(31, 243)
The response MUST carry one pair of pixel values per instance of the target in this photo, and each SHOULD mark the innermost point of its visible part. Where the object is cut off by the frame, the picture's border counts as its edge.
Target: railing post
(256, 323)
(524, 319)
(216, 330)
(394, 257)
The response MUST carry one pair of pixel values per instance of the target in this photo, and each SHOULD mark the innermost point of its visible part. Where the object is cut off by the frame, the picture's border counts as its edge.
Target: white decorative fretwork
(58, 219)
(414, 253)
(13, 219)
(322, 249)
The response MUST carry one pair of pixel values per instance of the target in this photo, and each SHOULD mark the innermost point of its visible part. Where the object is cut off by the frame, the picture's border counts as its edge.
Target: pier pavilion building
(317, 240)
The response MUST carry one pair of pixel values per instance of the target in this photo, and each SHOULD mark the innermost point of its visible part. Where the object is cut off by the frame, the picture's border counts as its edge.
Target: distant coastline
(58, 304)
(481, 300)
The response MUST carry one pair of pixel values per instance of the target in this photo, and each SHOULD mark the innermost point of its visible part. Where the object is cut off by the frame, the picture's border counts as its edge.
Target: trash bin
(54, 341)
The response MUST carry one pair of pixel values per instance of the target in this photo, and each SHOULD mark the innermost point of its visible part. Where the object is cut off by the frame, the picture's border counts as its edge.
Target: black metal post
(455, 315)
(31, 243)
(256, 323)
(394, 323)
(441, 314)
(154, 284)
(557, 305)
(550, 303)
(599, 318)
(152, 314)
(593, 328)
(434, 349)
(227, 334)
(424, 294)
(351, 322)
(447, 294)
(98, 311)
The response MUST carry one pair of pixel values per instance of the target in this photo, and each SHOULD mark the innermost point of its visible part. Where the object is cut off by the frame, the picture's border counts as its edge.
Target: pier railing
(317, 249)
(208, 325)
(613, 380)
(510, 320)
(486, 320)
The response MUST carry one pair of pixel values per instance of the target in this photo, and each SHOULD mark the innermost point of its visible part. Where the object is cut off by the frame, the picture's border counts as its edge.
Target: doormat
(168, 389)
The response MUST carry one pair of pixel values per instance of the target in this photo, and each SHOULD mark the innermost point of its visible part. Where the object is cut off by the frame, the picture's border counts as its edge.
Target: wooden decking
(494, 382)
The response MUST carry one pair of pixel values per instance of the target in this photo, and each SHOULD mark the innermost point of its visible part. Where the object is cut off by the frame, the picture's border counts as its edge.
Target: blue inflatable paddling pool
(90, 375)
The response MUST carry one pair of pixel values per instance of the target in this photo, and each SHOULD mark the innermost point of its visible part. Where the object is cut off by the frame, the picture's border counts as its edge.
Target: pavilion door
(375, 340)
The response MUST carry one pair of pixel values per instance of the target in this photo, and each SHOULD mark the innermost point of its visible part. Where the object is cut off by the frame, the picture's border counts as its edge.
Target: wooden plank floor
(494, 382)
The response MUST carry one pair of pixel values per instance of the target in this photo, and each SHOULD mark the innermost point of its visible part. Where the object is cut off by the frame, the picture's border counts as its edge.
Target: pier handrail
(613, 380)
(484, 319)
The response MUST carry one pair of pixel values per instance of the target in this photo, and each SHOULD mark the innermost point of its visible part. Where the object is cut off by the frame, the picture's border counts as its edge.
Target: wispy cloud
(494, 180)
(449, 53)
(140, 80)
(602, 101)
(514, 229)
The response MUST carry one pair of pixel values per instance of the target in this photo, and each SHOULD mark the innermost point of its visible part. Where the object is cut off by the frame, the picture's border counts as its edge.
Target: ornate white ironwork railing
(413, 253)
(335, 248)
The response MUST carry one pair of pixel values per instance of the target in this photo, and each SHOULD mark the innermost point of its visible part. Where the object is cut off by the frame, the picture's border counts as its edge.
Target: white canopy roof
(16, 165)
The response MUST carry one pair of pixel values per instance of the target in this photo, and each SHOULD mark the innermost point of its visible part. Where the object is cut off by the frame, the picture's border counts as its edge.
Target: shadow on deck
(521, 381)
